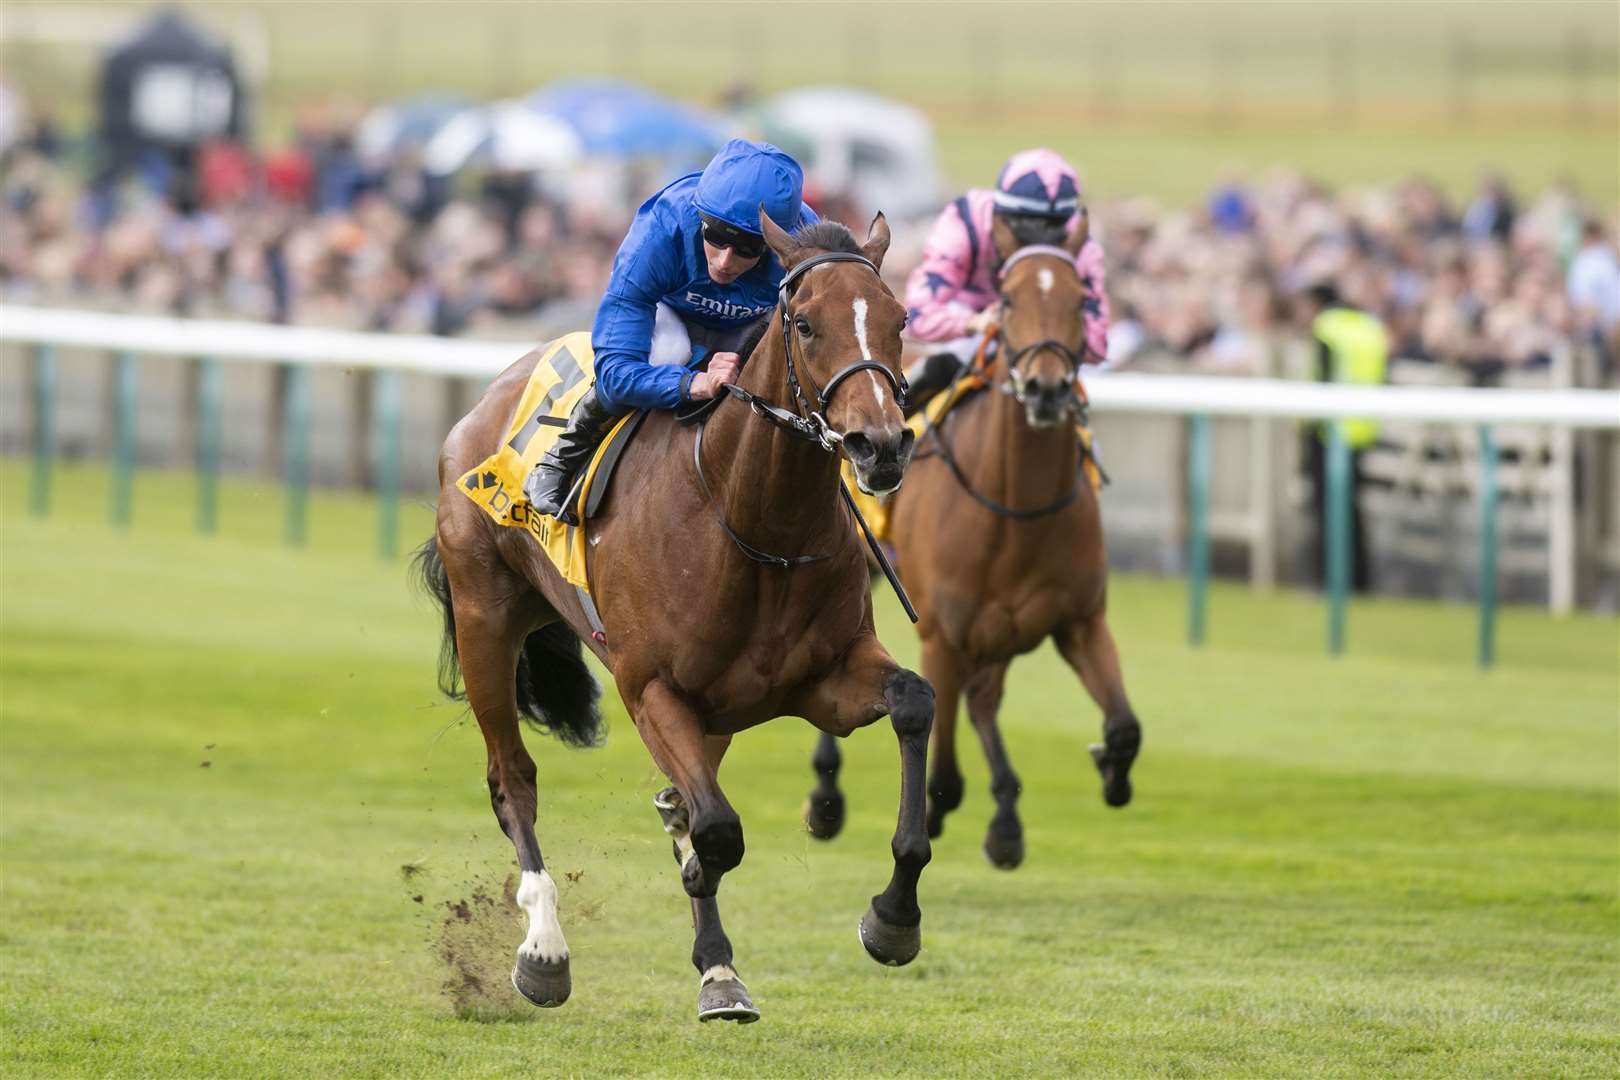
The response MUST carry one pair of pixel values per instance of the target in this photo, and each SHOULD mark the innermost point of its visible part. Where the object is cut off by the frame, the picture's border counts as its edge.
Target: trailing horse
(999, 539)
(731, 589)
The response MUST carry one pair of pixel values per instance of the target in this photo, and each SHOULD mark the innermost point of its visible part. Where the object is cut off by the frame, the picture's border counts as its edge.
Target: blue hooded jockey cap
(743, 175)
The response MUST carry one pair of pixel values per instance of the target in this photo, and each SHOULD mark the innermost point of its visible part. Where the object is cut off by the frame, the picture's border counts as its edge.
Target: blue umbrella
(619, 119)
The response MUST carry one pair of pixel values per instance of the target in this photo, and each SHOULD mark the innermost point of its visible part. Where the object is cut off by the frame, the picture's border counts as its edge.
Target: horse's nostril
(859, 447)
(908, 441)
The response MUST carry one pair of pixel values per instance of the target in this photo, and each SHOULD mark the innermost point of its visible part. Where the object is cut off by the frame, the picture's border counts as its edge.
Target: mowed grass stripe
(1383, 863)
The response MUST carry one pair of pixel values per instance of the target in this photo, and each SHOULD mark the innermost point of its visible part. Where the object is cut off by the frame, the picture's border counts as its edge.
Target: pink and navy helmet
(1037, 182)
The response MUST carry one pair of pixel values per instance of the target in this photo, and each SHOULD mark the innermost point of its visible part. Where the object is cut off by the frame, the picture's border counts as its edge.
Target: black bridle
(809, 424)
(1015, 387)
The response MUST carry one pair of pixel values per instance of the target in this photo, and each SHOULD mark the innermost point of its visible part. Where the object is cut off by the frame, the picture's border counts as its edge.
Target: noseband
(809, 423)
(1015, 386)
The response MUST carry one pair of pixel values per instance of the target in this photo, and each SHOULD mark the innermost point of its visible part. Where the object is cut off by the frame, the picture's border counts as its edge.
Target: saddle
(561, 377)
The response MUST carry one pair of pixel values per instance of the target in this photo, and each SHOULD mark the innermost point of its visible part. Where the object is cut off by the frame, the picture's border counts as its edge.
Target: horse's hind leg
(489, 635)
(1088, 646)
(824, 810)
(943, 670)
(708, 842)
(1004, 842)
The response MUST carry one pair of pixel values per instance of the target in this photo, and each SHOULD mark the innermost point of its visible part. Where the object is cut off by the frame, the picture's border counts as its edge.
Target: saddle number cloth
(560, 378)
(875, 509)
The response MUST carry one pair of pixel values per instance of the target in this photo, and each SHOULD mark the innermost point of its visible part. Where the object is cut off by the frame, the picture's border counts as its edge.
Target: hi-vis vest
(1360, 351)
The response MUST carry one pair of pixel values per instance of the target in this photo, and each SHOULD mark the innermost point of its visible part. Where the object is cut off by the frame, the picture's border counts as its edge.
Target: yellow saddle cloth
(561, 377)
(875, 509)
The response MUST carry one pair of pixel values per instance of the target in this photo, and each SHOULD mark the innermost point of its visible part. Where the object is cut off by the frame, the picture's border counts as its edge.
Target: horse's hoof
(726, 999)
(824, 815)
(1116, 777)
(543, 982)
(935, 820)
(1004, 848)
(888, 944)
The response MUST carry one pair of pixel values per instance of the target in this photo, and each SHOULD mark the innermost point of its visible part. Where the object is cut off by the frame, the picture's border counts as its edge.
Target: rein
(946, 453)
(785, 562)
(808, 424)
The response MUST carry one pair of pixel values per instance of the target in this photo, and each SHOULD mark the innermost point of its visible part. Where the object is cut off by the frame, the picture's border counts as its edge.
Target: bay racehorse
(999, 539)
(731, 587)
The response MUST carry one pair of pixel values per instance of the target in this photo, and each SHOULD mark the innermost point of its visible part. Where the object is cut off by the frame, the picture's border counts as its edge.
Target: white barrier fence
(1186, 395)
(1195, 397)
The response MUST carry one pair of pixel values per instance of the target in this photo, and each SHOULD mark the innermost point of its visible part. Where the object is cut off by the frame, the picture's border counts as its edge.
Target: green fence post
(1198, 455)
(1487, 547)
(210, 434)
(295, 452)
(121, 508)
(44, 428)
(386, 410)
(1337, 539)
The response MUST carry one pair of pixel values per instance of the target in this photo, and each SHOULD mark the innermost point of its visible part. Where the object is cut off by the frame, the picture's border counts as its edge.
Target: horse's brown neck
(779, 492)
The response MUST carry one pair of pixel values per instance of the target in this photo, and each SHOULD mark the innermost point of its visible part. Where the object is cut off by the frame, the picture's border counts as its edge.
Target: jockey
(951, 296)
(691, 277)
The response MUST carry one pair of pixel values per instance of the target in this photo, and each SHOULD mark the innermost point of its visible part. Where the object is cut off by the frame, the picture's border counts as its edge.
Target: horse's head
(1042, 323)
(840, 326)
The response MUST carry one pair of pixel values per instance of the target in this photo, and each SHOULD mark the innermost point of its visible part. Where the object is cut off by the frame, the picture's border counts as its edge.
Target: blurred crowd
(313, 234)
(1489, 286)
(309, 234)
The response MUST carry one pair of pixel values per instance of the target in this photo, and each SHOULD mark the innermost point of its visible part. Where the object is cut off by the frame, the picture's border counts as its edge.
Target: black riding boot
(552, 481)
(928, 377)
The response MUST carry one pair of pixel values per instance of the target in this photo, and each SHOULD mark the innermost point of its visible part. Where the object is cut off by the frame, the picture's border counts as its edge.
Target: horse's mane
(828, 236)
(755, 334)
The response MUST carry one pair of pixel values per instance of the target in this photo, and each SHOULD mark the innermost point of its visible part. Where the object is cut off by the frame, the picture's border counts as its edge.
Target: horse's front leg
(708, 840)
(867, 685)
(1004, 842)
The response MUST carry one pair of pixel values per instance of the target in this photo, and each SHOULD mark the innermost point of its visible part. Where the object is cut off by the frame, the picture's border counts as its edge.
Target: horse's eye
(802, 325)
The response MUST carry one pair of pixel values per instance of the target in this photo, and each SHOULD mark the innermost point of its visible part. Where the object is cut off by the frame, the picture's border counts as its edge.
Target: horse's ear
(1001, 236)
(787, 249)
(877, 240)
(1082, 232)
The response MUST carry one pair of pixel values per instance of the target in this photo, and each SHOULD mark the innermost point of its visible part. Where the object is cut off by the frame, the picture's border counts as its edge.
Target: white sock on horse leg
(537, 896)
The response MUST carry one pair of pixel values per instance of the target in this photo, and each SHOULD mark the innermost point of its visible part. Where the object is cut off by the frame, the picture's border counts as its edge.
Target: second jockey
(693, 273)
(951, 296)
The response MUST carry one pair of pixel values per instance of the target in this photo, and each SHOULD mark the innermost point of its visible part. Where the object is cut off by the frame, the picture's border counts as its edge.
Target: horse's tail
(431, 575)
(555, 689)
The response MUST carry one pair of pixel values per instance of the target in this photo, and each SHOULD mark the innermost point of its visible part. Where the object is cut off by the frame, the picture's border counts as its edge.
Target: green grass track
(217, 754)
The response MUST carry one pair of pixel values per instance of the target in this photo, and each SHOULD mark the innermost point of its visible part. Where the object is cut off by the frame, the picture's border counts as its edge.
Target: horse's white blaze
(717, 973)
(866, 349)
(537, 896)
(1044, 280)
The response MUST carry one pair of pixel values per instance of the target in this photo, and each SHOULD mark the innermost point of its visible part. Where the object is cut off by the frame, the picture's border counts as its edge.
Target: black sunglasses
(723, 235)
